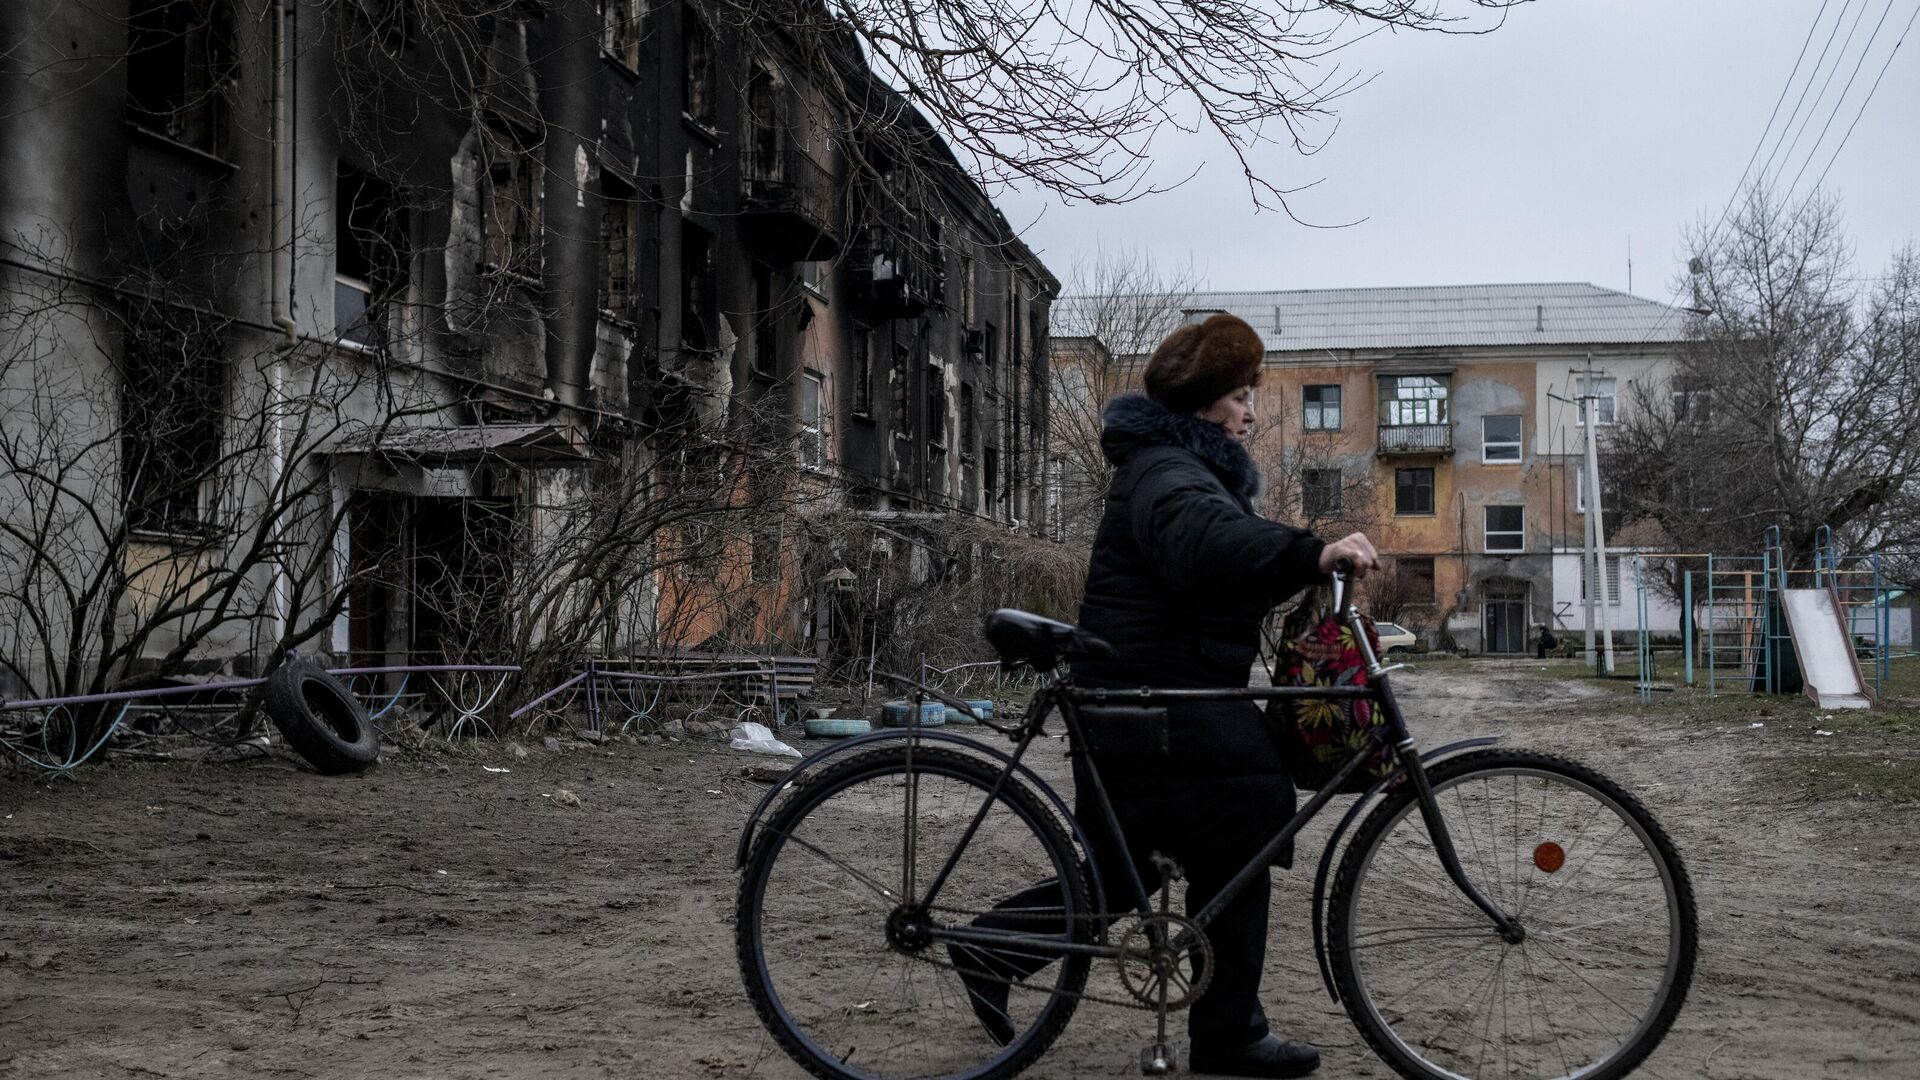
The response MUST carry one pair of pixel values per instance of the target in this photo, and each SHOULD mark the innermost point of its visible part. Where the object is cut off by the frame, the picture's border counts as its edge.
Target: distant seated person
(1547, 642)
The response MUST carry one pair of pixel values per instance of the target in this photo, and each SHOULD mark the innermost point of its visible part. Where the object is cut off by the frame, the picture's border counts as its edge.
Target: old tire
(834, 728)
(321, 719)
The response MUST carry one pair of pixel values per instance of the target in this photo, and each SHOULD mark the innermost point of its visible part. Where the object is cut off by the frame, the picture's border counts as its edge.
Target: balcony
(791, 205)
(1416, 439)
(894, 283)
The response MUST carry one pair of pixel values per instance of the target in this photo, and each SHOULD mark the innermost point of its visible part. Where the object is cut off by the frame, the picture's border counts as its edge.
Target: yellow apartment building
(1445, 422)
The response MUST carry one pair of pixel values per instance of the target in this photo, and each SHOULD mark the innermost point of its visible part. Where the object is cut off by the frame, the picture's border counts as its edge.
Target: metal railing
(1415, 438)
(47, 732)
(792, 182)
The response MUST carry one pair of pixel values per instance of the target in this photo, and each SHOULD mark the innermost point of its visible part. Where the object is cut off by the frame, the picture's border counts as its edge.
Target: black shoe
(1271, 1056)
(988, 998)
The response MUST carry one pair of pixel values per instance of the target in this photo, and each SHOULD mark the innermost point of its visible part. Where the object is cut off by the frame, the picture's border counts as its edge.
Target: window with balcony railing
(1414, 413)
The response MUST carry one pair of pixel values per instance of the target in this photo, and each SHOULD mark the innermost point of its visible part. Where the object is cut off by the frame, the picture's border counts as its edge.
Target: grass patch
(1859, 776)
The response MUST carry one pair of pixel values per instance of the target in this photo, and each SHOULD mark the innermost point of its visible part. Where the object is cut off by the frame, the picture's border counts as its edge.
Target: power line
(1870, 92)
(1814, 150)
(1817, 64)
(1741, 184)
(1824, 83)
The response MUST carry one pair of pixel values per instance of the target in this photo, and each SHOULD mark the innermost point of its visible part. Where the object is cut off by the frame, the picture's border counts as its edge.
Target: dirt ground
(437, 919)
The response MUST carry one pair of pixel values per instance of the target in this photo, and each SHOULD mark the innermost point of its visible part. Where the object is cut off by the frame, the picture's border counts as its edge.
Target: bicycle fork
(1510, 931)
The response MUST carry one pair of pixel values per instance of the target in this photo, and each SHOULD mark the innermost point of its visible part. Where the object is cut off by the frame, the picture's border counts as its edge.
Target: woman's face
(1234, 412)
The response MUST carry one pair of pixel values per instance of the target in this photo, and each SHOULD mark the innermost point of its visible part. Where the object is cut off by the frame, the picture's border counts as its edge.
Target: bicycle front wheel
(842, 954)
(1595, 884)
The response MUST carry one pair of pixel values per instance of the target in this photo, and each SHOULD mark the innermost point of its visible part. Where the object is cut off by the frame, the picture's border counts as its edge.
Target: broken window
(696, 42)
(173, 386)
(181, 70)
(763, 125)
(513, 211)
(969, 283)
(862, 371)
(902, 377)
(616, 246)
(620, 31)
(696, 264)
(813, 438)
(936, 404)
(967, 420)
(762, 322)
(372, 258)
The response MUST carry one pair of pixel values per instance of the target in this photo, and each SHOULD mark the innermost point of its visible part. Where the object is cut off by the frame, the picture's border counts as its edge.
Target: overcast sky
(1534, 153)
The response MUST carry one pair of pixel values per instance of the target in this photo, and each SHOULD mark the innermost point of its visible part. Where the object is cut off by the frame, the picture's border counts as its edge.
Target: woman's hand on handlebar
(1354, 549)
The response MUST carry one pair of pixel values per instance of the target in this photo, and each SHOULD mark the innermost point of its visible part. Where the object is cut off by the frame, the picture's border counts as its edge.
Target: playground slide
(1825, 652)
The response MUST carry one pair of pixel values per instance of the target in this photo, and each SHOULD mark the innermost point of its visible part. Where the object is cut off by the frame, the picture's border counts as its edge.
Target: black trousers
(1210, 828)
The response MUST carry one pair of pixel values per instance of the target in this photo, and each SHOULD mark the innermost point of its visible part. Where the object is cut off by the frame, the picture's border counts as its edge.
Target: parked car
(1397, 640)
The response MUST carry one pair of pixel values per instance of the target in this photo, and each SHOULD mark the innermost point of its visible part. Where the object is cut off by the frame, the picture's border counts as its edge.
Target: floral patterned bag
(1318, 735)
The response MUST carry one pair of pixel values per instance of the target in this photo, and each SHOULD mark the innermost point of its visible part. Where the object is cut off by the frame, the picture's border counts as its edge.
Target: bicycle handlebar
(1342, 578)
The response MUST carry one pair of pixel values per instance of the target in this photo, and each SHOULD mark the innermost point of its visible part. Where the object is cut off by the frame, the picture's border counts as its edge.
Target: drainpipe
(569, 87)
(280, 260)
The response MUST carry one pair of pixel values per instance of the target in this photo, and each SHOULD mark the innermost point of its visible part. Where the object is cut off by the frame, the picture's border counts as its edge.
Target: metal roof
(1436, 316)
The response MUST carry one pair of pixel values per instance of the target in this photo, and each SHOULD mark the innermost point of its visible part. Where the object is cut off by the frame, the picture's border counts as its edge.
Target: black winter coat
(1182, 573)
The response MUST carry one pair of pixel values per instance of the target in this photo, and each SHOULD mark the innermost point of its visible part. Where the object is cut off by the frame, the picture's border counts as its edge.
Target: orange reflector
(1549, 856)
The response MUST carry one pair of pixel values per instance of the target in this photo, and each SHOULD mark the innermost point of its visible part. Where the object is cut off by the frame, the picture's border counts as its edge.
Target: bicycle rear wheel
(1591, 878)
(835, 956)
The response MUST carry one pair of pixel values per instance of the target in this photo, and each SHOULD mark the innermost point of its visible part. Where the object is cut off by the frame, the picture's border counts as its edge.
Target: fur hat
(1200, 363)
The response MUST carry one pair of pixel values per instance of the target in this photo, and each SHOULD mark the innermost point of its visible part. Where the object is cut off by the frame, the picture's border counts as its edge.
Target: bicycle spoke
(850, 970)
(1582, 989)
(1435, 933)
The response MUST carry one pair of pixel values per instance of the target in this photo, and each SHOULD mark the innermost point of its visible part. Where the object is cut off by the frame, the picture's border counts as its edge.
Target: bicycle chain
(1018, 984)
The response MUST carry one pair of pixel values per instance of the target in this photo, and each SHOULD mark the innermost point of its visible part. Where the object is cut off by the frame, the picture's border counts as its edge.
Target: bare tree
(1307, 479)
(919, 593)
(1070, 96)
(1118, 306)
(178, 509)
(1793, 399)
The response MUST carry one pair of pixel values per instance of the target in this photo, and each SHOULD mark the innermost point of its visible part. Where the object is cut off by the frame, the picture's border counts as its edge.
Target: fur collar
(1134, 422)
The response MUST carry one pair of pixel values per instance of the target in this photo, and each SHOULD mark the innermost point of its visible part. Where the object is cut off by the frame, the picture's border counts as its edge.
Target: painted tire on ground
(980, 706)
(899, 714)
(835, 728)
(321, 719)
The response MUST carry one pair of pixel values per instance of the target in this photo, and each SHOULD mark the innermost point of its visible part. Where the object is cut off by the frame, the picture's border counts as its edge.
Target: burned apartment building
(414, 331)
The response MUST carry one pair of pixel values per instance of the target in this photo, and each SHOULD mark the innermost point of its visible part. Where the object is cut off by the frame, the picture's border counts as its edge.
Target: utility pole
(1596, 534)
(1586, 568)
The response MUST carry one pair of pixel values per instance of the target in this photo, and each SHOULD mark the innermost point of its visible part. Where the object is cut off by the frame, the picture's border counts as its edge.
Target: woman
(1183, 572)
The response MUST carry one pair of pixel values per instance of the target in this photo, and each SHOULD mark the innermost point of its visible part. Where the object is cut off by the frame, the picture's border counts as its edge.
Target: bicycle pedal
(1159, 1059)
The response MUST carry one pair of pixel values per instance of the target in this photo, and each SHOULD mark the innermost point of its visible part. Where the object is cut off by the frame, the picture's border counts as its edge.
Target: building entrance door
(1504, 628)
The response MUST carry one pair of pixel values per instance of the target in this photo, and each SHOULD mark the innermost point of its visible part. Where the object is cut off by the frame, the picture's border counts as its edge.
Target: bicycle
(1565, 951)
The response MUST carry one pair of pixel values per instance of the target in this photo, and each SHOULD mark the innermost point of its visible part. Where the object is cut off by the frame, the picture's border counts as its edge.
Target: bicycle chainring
(1181, 965)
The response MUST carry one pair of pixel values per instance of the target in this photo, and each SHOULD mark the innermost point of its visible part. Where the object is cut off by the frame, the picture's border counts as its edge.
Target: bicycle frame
(1067, 698)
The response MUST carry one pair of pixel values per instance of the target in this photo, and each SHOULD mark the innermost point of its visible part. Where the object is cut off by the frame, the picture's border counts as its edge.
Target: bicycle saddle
(1021, 637)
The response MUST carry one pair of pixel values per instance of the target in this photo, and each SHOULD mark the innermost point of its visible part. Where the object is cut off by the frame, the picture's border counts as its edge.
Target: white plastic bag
(757, 739)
